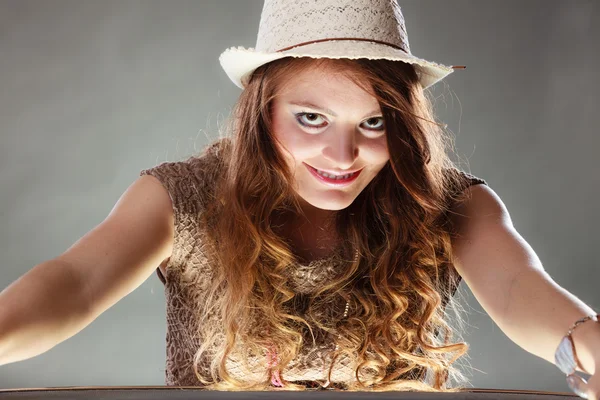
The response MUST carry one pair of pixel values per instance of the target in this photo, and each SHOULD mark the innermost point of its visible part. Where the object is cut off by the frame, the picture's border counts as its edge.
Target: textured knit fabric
(190, 184)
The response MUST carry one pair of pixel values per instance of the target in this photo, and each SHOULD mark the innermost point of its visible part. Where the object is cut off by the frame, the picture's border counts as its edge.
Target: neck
(312, 233)
(314, 217)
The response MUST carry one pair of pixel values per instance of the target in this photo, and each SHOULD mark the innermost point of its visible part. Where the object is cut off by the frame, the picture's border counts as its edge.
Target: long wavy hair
(397, 329)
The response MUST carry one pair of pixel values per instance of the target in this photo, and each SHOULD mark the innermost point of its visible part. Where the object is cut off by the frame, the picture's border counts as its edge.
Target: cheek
(376, 151)
(295, 141)
(384, 153)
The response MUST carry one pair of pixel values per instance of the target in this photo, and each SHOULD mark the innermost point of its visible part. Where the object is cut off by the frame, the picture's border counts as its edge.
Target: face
(325, 122)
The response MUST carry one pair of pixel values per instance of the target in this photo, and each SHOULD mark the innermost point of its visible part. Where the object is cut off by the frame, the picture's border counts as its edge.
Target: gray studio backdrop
(91, 92)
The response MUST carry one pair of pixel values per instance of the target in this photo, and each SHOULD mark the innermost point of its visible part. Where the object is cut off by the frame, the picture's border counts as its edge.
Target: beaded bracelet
(566, 358)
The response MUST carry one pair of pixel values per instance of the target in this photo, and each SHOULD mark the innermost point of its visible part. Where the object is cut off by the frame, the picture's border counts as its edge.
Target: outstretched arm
(509, 281)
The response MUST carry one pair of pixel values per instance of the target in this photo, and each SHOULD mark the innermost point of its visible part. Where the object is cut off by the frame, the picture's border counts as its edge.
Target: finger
(578, 385)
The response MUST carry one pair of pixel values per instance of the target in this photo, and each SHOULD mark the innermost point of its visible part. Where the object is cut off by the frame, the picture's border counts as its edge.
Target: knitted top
(188, 276)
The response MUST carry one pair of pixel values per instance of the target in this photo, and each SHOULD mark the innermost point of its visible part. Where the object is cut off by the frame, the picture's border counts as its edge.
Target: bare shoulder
(486, 240)
(481, 222)
(480, 205)
(121, 252)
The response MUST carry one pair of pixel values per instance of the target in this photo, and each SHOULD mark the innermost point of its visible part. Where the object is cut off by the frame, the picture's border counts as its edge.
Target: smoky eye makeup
(380, 126)
(315, 121)
(310, 120)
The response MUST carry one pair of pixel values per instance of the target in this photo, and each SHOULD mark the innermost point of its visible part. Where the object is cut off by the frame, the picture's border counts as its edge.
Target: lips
(336, 173)
(333, 182)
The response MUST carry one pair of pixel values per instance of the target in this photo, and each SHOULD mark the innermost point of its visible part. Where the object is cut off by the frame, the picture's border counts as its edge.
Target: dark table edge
(109, 388)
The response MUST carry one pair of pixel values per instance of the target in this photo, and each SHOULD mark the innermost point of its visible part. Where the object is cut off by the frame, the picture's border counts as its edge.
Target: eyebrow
(323, 110)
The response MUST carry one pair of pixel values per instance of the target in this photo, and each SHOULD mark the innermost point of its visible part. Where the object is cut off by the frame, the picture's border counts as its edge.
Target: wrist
(586, 339)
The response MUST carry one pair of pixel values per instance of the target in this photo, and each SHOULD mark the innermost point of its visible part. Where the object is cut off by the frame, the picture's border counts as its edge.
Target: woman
(277, 218)
(300, 279)
(320, 242)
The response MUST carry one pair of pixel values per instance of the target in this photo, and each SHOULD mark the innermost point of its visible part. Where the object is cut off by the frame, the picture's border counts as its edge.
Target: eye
(375, 123)
(311, 120)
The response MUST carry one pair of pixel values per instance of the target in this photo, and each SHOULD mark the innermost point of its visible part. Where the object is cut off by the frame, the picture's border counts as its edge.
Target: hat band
(359, 39)
(344, 38)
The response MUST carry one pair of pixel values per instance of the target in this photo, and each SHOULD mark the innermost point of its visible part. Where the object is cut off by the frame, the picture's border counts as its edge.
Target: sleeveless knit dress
(188, 277)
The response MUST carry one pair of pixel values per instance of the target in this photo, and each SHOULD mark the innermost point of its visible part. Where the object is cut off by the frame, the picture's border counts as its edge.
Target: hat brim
(240, 62)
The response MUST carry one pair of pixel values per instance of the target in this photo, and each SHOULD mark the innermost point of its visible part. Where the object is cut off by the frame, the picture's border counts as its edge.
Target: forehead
(324, 83)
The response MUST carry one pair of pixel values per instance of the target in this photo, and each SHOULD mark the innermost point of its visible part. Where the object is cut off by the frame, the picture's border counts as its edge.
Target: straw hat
(373, 29)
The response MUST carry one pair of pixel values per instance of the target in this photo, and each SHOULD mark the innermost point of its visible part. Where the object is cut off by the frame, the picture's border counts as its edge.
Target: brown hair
(397, 328)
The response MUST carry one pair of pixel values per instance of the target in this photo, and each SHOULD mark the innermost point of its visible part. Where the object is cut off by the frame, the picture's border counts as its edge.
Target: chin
(328, 203)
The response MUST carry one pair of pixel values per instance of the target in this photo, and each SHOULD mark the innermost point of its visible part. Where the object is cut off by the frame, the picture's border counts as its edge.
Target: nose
(341, 148)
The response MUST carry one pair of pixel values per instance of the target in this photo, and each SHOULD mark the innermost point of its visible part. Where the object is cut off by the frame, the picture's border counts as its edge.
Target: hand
(593, 386)
(588, 390)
